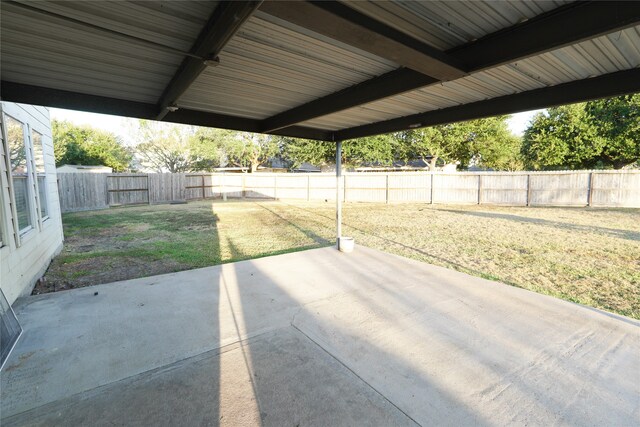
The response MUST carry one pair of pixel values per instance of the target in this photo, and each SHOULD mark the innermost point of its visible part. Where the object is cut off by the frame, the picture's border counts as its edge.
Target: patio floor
(319, 338)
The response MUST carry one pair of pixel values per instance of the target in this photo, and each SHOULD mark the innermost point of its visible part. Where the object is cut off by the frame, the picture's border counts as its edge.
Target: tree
(249, 150)
(487, 142)
(377, 149)
(562, 137)
(296, 151)
(618, 123)
(493, 145)
(207, 148)
(501, 154)
(84, 145)
(446, 142)
(597, 134)
(164, 147)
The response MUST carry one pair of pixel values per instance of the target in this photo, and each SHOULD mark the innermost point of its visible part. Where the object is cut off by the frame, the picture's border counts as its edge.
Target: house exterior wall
(25, 255)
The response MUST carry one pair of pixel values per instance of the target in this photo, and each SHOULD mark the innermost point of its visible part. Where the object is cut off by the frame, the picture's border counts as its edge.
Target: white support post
(338, 193)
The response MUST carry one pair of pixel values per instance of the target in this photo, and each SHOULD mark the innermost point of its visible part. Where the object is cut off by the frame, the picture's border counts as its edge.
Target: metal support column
(338, 193)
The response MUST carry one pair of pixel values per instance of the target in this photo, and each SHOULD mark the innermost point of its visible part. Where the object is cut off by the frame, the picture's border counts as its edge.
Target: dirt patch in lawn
(101, 269)
(584, 255)
(126, 243)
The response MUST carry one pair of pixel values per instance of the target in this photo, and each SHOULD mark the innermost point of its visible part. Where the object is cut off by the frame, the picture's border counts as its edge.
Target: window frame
(5, 230)
(20, 234)
(37, 174)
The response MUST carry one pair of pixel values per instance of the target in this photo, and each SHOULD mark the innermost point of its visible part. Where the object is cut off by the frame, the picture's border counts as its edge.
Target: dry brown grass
(589, 256)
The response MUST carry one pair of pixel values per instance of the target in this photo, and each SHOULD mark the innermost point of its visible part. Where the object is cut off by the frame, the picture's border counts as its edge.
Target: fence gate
(128, 189)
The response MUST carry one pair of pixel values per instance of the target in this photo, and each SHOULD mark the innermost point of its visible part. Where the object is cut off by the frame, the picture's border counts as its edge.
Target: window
(19, 172)
(38, 159)
(3, 171)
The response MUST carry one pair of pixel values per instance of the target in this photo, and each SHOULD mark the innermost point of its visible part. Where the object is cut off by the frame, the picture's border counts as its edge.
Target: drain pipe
(338, 193)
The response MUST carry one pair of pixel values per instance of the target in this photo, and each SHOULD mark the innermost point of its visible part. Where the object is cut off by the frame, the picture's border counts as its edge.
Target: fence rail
(86, 191)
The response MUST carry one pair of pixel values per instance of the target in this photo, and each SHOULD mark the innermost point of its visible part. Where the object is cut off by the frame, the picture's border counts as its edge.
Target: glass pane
(38, 158)
(42, 189)
(19, 170)
(21, 191)
(38, 154)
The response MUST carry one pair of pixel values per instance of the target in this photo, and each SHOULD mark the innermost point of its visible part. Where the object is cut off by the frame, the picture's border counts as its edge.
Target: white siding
(23, 259)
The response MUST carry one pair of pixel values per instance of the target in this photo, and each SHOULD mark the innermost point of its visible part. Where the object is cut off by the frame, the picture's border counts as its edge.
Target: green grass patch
(588, 256)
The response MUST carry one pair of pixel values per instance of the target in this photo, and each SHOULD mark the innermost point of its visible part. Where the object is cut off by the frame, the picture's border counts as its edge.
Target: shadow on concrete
(322, 338)
(116, 355)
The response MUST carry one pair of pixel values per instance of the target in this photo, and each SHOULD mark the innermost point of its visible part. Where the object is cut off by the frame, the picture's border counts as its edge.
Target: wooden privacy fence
(85, 191)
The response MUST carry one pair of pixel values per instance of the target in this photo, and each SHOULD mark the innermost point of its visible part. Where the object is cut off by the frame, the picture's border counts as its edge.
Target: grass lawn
(589, 256)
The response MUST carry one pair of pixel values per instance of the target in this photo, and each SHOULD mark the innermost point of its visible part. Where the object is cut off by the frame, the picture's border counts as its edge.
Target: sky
(120, 125)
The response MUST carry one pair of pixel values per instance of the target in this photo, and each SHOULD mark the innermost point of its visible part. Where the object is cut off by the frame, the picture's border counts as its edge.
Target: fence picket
(86, 191)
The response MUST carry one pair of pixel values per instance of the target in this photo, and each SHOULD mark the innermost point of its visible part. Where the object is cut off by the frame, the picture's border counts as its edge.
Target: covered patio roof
(321, 70)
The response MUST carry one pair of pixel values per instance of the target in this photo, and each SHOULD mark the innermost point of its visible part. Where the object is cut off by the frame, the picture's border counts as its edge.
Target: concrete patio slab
(319, 338)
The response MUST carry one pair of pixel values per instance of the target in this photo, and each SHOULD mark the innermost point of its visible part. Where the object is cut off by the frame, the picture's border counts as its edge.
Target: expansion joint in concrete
(353, 372)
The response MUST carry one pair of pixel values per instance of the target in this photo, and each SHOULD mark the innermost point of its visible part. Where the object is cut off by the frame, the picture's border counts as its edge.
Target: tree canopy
(598, 134)
(296, 151)
(164, 147)
(484, 142)
(618, 123)
(84, 145)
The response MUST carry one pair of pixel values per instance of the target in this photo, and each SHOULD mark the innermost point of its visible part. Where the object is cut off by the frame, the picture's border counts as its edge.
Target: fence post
(387, 189)
(222, 188)
(244, 185)
(590, 190)
(275, 187)
(528, 189)
(106, 189)
(148, 191)
(431, 195)
(308, 187)
(479, 189)
(344, 190)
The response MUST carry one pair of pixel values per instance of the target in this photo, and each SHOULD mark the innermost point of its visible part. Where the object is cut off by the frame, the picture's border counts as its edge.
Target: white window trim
(5, 232)
(21, 235)
(34, 173)
(37, 127)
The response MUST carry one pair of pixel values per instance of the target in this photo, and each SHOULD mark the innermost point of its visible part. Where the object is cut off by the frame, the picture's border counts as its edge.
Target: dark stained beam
(340, 22)
(613, 84)
(27, 94)
(37, 95)
(203, 118)
(383, 86)
(225, 21)
(557, 28)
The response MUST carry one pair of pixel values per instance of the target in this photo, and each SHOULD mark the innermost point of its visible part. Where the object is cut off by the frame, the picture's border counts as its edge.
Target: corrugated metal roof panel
(613, 52)
(69, 56)
(500, 81)
(606, 54)
(267, 68)
(175, 24)
(446, 24)
(271, 66)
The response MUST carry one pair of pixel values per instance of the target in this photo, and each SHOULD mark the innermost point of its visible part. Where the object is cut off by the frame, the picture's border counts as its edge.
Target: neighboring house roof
(84, 168)
(307, 167)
